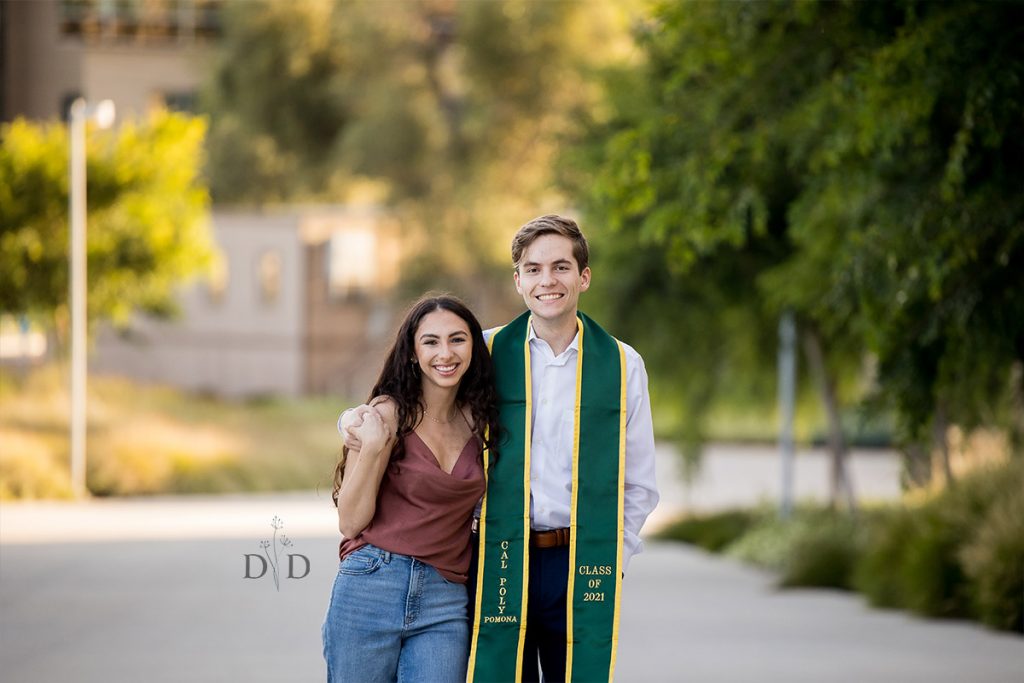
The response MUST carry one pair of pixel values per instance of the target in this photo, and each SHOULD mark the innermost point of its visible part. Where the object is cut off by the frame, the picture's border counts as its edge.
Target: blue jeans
(392, 617)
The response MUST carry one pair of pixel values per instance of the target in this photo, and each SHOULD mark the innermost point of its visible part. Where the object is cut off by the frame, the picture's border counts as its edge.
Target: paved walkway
(154, 590)
(690, 616)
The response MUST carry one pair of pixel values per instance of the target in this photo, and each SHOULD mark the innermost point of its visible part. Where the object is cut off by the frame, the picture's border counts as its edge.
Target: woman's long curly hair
(400, 380)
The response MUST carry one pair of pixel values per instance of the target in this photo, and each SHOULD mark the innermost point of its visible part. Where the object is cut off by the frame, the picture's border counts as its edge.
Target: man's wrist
(341, 419)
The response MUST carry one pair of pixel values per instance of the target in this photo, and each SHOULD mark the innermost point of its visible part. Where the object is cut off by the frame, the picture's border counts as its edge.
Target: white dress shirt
(553, 380)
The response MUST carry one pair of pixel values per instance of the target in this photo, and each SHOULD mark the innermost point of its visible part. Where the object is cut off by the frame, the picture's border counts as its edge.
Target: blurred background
(807, 217)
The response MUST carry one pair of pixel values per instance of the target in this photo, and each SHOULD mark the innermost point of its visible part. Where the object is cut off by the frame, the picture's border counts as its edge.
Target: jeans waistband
(385, 555)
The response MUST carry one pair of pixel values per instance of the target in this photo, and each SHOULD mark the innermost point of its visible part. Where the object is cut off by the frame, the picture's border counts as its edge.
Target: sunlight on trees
(148, 226)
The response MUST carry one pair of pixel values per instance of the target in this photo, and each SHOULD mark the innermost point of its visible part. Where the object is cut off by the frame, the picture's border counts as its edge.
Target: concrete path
(154, 590)
(690, 616)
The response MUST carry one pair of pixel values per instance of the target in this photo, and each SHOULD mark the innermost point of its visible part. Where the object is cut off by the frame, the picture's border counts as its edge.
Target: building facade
(294, 307)
(140, 54)
(299, 301)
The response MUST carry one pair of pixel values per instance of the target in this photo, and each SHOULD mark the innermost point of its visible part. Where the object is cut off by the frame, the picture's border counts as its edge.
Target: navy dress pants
(545, 616)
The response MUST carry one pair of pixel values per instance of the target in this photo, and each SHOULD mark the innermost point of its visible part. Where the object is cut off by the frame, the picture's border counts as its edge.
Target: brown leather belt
(549, 539)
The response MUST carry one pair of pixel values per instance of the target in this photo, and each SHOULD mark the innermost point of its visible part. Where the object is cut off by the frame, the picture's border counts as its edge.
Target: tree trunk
(1017, 408)
(917, 466)
(438, 53)
(840, 486)
(940, 426)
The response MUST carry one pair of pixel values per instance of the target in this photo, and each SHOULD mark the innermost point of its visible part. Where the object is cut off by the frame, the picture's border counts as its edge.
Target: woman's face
(444, 348)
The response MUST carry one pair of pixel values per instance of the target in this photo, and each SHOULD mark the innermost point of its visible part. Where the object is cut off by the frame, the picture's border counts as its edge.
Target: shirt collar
(574, 344)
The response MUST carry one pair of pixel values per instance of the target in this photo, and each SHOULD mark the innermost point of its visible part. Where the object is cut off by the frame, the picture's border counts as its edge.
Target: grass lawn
(148, 439)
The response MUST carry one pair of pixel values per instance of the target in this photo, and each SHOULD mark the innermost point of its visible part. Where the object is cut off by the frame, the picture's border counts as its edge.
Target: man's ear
(585, 279)
(515, 276)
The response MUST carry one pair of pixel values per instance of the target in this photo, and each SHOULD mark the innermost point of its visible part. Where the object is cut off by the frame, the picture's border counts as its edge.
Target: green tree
(696, 165)
(867, 154)
(449, 112)
(919, 178)
(147, 216)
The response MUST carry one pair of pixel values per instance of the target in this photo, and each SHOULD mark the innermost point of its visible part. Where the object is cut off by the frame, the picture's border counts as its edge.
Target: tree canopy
(147, 216)
(451, 113)
(862, 160)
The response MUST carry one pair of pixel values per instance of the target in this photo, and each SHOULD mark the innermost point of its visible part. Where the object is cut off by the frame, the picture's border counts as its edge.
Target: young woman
(405, 503)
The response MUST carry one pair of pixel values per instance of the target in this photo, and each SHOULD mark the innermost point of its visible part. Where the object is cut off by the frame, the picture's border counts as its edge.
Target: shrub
(914, 557)
(824, 553)
(28, 468)
(931, 577)
(711, 532)
(768, 544)
(816, 547)
(994, 564)
(888, 532)
(145, 439)
(935, 579)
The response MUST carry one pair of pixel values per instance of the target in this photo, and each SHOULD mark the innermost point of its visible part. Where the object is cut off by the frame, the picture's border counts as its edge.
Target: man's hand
(372, 434)
(349, 422)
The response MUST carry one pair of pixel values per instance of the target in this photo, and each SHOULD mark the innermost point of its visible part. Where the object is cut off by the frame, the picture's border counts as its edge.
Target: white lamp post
(103, 115)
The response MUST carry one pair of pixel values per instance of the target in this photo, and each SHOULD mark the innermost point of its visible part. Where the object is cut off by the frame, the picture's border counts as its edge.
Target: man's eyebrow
(555, 262)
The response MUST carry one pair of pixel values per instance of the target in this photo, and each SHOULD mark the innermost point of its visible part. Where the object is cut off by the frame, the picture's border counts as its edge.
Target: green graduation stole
(595, 550)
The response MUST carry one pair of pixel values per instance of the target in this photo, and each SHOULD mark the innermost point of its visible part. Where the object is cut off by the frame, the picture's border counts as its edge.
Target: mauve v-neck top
(424, 512)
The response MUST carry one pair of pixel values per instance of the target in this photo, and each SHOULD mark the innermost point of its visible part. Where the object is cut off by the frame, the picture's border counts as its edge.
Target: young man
(577, 464)
(573, 480)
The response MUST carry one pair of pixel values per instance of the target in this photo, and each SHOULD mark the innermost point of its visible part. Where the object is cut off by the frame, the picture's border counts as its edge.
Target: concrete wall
(138, 79)
(349, 329)
(237, 344)
(39, 66)
(42, 66)
(346, 339)
(233, 341)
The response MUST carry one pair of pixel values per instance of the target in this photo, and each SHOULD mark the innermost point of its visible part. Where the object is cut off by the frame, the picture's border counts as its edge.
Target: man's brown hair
(551, 224)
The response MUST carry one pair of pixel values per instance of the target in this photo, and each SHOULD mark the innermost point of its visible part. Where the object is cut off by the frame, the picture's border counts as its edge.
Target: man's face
(549, 278)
